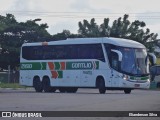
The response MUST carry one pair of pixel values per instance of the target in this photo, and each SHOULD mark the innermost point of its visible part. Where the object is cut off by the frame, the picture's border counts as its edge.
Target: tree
(105, 28)
(61, 36)
(87, 29)
(121, 28)
(13, 34)
(64, 35)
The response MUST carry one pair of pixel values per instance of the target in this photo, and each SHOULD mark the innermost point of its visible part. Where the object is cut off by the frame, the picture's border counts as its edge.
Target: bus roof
(110, 40)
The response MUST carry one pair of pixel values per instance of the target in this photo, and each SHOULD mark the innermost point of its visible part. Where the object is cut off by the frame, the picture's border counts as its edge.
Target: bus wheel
(62, 89)
(71, 89)
(101, 85)
(46, 85)
(37, 84)
(127, 91)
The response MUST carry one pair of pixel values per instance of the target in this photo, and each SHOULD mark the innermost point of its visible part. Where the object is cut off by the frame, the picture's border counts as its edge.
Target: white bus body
(103, 63)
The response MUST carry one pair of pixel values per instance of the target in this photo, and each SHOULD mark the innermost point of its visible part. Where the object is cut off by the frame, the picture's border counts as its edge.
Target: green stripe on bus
(57, 65)
(139, 78)
(79, 65)
(60, 74)
(33, 66)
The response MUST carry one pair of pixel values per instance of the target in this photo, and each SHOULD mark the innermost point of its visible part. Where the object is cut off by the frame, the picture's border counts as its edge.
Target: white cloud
(65, 25)
(155, 28)
(41, 5)
(81, 5)
(5, 5)
(56, 13)
(126, 5)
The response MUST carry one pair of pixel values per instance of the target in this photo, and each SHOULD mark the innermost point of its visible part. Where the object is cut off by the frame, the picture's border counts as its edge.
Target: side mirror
(152, 58)
(119, 54)
(116, 59)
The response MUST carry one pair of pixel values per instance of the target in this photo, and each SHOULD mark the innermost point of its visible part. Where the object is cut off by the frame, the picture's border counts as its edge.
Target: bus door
(114, 69)
(25, 74)
(114, 78)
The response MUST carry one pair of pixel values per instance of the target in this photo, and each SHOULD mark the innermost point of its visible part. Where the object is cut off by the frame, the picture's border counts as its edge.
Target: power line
(149, 15)
(81, 12)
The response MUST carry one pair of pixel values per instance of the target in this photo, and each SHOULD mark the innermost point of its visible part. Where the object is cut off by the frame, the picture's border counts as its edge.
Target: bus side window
(83, 51)
(99, 53)
(71, 51)
(91, 51)
(26, 52)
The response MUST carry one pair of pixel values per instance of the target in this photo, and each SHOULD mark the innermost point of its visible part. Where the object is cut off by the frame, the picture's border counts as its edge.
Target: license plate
(137, 85)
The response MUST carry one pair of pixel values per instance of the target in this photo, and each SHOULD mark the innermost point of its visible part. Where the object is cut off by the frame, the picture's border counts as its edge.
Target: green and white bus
(66, 65)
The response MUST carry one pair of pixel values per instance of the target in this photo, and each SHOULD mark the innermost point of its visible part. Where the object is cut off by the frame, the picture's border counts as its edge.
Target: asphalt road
(83, 100)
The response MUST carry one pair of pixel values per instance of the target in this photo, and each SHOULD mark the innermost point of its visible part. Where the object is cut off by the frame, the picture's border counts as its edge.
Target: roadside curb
(16, 88)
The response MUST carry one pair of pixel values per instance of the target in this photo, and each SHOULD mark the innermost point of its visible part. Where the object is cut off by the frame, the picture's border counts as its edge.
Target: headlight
(125, 77)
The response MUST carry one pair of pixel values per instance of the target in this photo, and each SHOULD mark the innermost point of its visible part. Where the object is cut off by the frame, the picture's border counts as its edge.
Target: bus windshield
(134, 61)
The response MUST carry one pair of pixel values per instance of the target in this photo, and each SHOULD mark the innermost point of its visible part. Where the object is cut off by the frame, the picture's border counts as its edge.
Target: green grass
(11, 85)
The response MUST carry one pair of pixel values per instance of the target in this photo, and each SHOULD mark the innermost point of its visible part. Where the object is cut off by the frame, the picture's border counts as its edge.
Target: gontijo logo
(81, 65)
(84, 65)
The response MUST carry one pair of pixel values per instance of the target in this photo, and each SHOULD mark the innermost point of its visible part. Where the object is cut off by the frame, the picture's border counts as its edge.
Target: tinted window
(38, 52)
(71, 52)
(82, 51)
(109, 47)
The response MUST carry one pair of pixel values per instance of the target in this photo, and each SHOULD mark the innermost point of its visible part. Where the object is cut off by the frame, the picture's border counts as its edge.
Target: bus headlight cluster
(125, 77)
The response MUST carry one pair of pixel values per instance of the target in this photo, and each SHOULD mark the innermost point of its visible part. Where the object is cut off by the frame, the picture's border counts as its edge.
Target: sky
(65, 14)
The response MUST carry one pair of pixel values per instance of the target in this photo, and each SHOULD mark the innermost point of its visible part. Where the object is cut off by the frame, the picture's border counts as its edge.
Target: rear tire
(101, 85)
(127, 91)
(46, 85)
(37, 84)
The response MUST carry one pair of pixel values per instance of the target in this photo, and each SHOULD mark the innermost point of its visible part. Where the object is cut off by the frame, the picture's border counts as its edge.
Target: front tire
(37, 84)
(46, 85)
(101, 85)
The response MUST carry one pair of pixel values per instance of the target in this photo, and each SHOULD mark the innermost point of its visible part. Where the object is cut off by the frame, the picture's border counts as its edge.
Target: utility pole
(9, 73)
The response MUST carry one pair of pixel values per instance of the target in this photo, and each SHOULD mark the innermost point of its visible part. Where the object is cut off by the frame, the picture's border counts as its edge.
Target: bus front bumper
(136, 84)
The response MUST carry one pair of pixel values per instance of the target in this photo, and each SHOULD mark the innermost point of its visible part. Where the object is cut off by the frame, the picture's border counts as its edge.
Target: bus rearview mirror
(119, 54)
